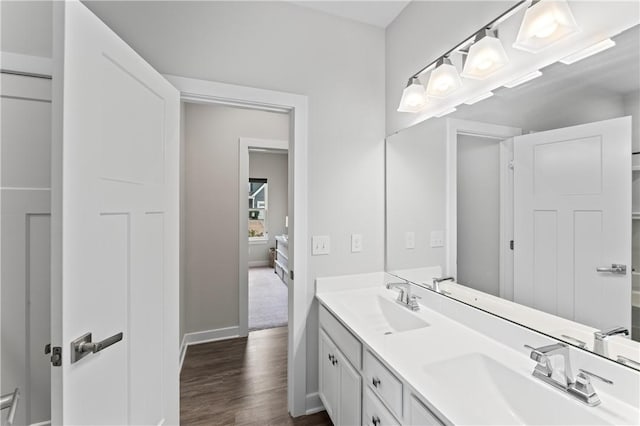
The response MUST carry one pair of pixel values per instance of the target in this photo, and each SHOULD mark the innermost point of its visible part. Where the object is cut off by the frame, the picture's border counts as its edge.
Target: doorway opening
(268, 238)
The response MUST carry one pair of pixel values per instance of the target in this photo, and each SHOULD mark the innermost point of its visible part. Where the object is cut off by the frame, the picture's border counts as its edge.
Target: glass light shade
(414, 97)
(545, 23)
(444, 80)
(485, 57)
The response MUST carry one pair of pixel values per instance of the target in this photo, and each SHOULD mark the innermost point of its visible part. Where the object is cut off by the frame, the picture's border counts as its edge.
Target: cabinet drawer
(421, 415)
(383, 382)
(348, 344)
(374, 412)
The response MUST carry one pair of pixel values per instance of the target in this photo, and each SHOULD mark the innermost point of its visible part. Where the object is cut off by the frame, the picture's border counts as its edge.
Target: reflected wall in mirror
(530, 199)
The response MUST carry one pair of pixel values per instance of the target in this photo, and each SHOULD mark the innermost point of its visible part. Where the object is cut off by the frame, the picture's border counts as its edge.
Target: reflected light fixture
(523, 79)
(545, 23)
(444, 79)
(589, 51)
(486, 56)
(414, 97)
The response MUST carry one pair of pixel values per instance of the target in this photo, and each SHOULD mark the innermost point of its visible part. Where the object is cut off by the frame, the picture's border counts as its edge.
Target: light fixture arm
(491, 26)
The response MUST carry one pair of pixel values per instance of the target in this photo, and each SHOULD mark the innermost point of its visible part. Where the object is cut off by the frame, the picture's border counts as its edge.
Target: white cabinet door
(419, 415)
(328, 377)
(114, 227)
(572, 214)
(350, 392)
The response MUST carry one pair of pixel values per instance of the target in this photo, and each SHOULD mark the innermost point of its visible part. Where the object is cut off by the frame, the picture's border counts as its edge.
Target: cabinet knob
(375, 420)
(376, 382)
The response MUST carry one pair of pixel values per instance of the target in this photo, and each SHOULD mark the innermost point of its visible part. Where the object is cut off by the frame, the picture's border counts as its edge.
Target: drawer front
(344, 340)
(374, 412)
(383, 382)
(421, 415)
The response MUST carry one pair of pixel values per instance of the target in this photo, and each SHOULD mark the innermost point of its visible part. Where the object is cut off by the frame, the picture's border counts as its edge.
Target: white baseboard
(206, 336)
(313, 403)
(258, 263)
(26, 64)
(45, 423)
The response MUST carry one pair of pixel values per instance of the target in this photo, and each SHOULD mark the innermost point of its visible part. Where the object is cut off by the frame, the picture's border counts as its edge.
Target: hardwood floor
(239, 382)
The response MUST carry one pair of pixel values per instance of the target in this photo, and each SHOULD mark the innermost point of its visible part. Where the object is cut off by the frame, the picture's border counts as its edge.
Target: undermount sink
(494, 394)
(382, 315)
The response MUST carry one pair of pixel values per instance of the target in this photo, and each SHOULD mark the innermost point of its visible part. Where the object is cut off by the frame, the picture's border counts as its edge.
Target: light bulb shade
(414, 97)
(485, 57)
(444, 80)
(545, 23)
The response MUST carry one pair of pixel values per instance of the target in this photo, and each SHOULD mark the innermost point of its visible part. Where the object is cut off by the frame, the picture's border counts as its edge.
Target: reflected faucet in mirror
(437, 281)
(601, 337)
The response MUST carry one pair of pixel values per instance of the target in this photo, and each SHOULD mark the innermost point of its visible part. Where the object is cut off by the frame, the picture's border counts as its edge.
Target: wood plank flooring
(239, 382)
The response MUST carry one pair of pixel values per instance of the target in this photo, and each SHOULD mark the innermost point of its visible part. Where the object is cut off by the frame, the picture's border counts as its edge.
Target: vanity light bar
(445, 112)
(589, 51)
(479, 98)
(523, 79)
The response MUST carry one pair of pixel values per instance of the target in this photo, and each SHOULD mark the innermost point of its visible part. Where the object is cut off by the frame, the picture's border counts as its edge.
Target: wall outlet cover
(410, 240)
(437, 239)
(356, 243)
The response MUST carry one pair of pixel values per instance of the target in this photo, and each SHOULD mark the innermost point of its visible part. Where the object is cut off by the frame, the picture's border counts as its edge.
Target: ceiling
(378, 13)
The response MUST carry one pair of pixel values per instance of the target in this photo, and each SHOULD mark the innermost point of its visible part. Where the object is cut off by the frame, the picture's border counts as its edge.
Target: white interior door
(572, 193)
(114, 228)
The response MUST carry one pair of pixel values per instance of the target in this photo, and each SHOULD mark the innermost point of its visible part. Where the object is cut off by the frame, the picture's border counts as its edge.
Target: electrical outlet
(320, 245)
(437, 239)
(356, 243)
(410, 240)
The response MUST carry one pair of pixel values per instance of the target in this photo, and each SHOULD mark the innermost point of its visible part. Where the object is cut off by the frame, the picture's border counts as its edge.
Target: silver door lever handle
(614, 269)
(10, 401)
(83, 345)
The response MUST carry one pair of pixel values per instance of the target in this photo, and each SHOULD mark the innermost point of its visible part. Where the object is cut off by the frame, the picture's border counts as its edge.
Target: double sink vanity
(383, 361)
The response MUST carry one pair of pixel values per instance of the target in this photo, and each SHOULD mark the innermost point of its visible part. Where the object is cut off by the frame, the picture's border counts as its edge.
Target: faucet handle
(544, 365)
(584, 374)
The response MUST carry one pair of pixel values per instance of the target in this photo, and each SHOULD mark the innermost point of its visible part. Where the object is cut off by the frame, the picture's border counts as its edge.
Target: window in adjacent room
(258, 230)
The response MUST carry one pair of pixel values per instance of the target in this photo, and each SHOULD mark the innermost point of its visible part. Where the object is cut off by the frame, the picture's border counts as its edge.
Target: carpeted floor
(267, 299)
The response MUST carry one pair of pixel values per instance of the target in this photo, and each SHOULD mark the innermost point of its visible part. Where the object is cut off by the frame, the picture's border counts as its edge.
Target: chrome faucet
(600, 338)
(437, 281)
(580, 387)
(405, 298)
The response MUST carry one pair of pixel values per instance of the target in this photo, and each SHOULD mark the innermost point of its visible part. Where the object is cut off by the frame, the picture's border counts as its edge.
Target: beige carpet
(267, 299)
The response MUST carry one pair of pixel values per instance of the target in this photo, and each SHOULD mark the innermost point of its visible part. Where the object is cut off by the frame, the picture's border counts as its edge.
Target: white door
(572, 194)
(114, 228)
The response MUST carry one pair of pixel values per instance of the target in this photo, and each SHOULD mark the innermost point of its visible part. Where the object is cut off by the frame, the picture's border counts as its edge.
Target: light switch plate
(320, 245)
(410, 240)
(356, 243)
(437, 239)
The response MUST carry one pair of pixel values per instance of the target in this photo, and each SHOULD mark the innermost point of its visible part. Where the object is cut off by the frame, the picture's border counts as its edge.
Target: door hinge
(510, 164)
(56, 354)
(511, 244)
(291, 275)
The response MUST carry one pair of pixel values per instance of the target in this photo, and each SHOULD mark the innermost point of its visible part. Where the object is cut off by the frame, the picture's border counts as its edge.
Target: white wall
(211, 208)
(422, 32)
(26, 27)
(273, 167)
(339, 64)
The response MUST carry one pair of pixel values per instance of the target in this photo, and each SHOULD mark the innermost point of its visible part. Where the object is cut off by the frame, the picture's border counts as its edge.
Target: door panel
(116, 227)
(350, 393)
(573, 214)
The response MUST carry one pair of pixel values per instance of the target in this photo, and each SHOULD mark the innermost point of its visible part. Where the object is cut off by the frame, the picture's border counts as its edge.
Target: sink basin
(484, 391)
(382, 315)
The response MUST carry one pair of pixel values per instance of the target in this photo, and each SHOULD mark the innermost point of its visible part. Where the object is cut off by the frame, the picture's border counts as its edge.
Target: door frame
(300, 296)
(245, 144)
(456, 127)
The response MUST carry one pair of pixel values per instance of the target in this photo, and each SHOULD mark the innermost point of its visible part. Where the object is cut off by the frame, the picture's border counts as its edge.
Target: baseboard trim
(258, 263)
(206, 336)
(313, 403)
(45, 423)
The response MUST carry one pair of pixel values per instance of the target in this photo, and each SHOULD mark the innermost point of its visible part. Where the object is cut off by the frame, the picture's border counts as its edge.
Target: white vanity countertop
(413, 356)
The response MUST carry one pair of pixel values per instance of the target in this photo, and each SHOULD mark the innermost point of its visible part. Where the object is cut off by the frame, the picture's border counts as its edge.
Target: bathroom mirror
(530, 199)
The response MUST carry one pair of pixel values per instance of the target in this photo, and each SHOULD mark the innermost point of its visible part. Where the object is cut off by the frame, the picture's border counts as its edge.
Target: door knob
(83, 345)
(615, 268)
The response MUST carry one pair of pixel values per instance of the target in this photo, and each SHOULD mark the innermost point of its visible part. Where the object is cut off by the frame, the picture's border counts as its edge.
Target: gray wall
(26, 27)
(273, 167)
(211, 208)
(478, 191)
